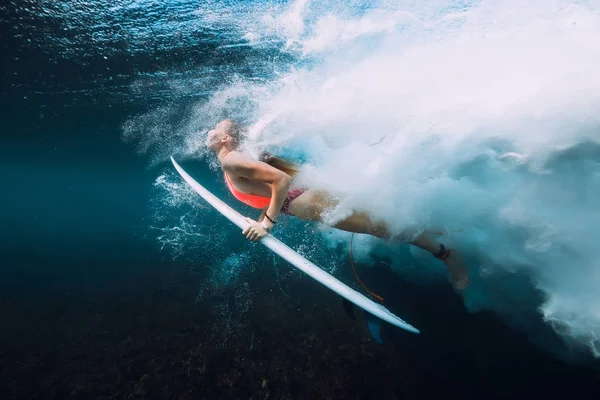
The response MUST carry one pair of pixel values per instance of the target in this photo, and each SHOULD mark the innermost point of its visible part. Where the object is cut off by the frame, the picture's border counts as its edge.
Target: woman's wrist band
(269, 218)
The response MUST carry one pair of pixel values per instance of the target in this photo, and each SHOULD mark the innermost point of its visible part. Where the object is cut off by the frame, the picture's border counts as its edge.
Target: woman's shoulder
(234, 160)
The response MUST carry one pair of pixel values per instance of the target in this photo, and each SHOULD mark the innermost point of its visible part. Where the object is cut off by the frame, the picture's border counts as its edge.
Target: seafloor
(149, 339)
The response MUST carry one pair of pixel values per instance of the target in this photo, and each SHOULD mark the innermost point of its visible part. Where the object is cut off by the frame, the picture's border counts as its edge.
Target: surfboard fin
(349, 307)
(374, 325)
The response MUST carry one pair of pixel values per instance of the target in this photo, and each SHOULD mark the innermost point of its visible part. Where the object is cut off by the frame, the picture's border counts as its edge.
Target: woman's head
(228, 133)
(225, 133)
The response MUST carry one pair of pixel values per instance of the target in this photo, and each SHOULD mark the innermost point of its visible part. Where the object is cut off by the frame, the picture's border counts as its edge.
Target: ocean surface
(476, 119)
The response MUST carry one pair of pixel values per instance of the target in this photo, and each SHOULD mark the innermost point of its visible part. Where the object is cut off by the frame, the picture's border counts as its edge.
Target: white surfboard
(297, 260)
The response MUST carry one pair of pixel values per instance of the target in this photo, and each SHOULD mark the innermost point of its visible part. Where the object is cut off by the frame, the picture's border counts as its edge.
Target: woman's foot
(456, 268)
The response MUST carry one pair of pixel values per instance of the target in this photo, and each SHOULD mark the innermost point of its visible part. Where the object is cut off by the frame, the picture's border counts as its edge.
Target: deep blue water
(90, 305)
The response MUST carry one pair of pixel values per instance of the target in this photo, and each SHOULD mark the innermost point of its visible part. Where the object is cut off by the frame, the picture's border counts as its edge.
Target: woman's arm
(262, 214)
(280, 182)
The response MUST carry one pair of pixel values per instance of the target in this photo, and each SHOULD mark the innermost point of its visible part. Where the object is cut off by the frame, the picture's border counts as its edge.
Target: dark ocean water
(90, 305)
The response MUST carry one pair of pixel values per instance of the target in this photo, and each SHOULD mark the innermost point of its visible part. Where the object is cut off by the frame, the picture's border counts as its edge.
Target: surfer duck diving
(266, 184)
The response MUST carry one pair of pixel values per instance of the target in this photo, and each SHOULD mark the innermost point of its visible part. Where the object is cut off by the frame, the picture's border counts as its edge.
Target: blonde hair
(234, 131)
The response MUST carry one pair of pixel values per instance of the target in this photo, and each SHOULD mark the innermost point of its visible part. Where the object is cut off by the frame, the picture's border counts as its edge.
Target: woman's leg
(311, 204)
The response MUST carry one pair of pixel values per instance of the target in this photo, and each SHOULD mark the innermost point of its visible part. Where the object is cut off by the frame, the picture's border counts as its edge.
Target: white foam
(478, 111)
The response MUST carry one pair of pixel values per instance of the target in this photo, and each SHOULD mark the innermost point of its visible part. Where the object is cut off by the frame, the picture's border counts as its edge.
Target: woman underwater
(266, 185)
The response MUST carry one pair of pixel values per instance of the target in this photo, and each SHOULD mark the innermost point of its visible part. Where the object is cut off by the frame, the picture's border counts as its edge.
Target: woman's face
(215, 136)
